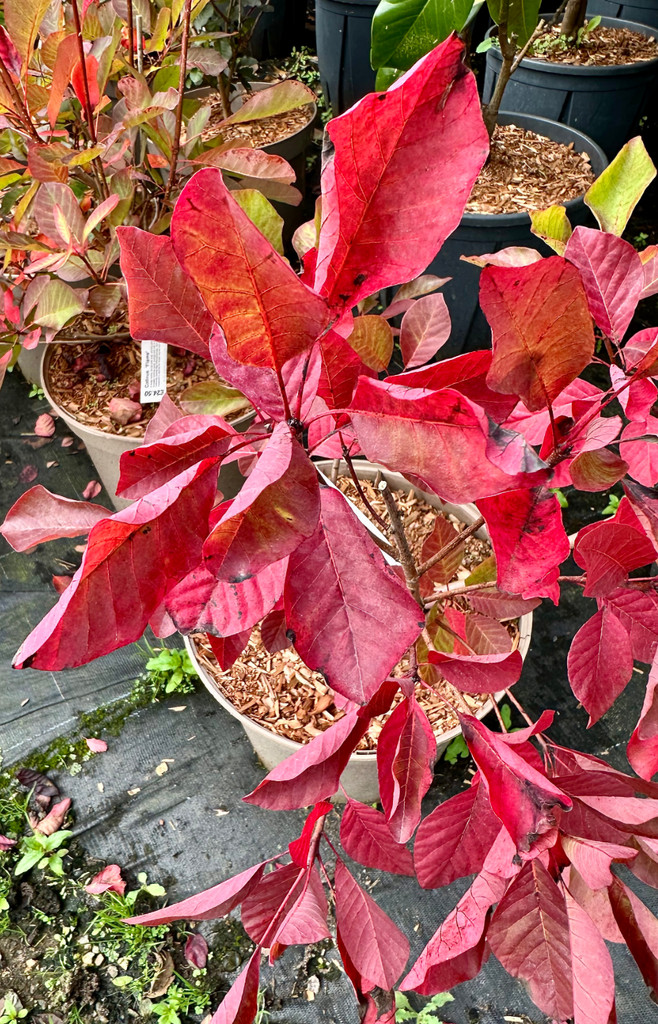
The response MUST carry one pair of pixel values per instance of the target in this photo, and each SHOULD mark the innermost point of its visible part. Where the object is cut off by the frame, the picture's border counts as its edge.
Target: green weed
(427, 1015)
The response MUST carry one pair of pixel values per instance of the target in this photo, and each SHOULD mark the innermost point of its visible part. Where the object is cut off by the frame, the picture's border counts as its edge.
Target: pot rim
(361, 756)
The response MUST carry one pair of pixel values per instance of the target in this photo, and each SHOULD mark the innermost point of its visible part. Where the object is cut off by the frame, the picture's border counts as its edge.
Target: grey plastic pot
(105, 450)
(342, 35)
(360, 777)
(605, 102)
(643, 11)
(30, 362)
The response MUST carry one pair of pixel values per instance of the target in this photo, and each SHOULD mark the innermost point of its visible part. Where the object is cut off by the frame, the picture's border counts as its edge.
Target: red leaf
(77, 81)
(273, 631)
(639, 928)
(266, 907)
(642, 749)
(529, 540)
(376, 946)
(45, 425)
(600, 663)
(341, 367)
(9, 54)
(228, 649)
(312, 773)
(67, 57)
(436, 437)
(96, 746)
(525, 800)
(196, 951)
(339, 576)
(454, 840)
(533, 425)
(641, 456)
(424, 330)
(107, 880)
(608, 551)
(240, 1004)
(39, 516)
(406, 751)
(268, 315)
(611, 272)
(55, 818)
(593, 976)
(466, 374)
(166, 414)
(208, 905)
(456, 952)
(92, 490)
(597, 471)
(276, 509)
(306, 921)
(541, 327)
(258, 383)
(487, 636)
(479, 673)
(367, 839)
(501, 605)
(201, 602)
(529, 934)
(163, 303)
(376, 231)
(593, 859)
(131, 560)
(443, 532)
(596, 905)
(299, 848)
(638, 610)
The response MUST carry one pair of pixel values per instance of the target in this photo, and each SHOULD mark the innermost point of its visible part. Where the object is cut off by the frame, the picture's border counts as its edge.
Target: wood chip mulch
(263, 132)
(526, 172)
(602, 47)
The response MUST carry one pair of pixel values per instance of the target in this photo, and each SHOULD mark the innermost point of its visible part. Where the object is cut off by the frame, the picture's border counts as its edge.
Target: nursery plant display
(540, 826)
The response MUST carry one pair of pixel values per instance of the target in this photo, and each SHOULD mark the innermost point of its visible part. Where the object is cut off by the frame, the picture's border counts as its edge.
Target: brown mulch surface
(602, 47)
(526, 172)
(263, 132)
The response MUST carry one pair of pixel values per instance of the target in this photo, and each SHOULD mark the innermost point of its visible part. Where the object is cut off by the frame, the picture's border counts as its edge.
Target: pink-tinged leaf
(437, 437)
(454, 840)
(163, 303)
(639, 928)
(527, 803)
(455, 953)
(151, 465)
(636, 398)
(513, 256)
(541, 327)
(593, 975)
(107, 880)
(277, 508)
(649, 260)
(201, 602)
(39, 516)
(196, 951)
(92, 490)
(258, 383)
(502, 606)
(248, 163)
(424, 330)
(6, 843)
(529, 934)
(339, 576)
(9, 54)
(240, 1004)
(510, 451)
(96, 746)
(533, 425)
(528, 538)
(266, 907)
(340, 371)
(641, 455)
(273, 631)
(45, 426)
(372, 340)
(367, 839)
(208, 905)
(466, 374)
(28, 474)
(130, 562)
(611, 272)
(593, 859)
(55, 818)
(376, 946)
(228, 649)
(600, 662)
(597, 471)
(642, 749)
(487, 636)
(608, 551)
(443, 533)
(638, 610)
(300, 848)
(165, 416)
(406, 751)
(641, 353)
(376, 231)
(268, 315)
(306, 921)
(479, 673)
(599, 432)
(77, 81)
(596, 905)
(124, 410)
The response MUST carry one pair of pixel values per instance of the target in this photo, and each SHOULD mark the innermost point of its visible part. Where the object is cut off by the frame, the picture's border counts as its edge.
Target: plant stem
(406, 558)
(508, 52)
(535, 35)
(181, 91)
(451, 546)
(503, 727)
(89, 116)
(21, 110)
(574, 18)
(131, 40)
(460, 590)
(355, 480)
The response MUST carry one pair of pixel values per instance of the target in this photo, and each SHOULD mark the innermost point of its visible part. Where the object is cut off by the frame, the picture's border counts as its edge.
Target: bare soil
(602, 47)
(263, 132)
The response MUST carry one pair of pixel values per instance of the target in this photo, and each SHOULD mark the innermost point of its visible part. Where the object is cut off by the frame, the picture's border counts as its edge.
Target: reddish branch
(21, 110)
(181, 92)
(451, 546)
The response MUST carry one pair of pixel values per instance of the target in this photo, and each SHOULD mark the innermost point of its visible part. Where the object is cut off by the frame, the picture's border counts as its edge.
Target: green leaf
(563, 501)
(506, 715)
(278, 99)
(403, 31)
(385, 78)
(456, 748)
(155, 890)
(29, 860)
(261, 213)
(552, 225)
(122, 981)
(522, 17)
(54, 841)
(159, 37)
(22, 22)
(213, 399)
(485, 572)
(57, 304)
(485, 45)
(616, 192)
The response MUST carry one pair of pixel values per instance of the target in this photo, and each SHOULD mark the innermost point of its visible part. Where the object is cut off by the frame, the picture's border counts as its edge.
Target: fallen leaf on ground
(45, 426)
(107, 880)
(96, 746)
(28, 474)
(92, 489)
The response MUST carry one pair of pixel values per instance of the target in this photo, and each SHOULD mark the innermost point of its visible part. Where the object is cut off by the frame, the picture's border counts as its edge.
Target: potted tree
(541, 825)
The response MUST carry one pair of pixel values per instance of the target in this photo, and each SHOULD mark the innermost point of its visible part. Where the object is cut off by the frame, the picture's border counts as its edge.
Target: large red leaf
(163, 303)
(240, 1004)
(277, 508)
(529, 540)
(406, 750)
(638, 610)
(443, 533)
(341, 367)
(435, 436)
(600, 662)
(608, 551)
(367, 839)
(466, 373)
(526, 802)
(228, 649)
(340, 600)
(267, 314)
(201, 602)
(611, 272)
(593, 976)
(642, 749)
(424, 330)
(595, 903)
(376, 947)
(541, 327)
(641, 455)
(306, 921)
(208, 905)
(39, 516)
(502, 605)
(533, 425)
(639, 928)
(454, 840)
(456, 951)
(479, 673)
(268, 904)
(593, 859)
(376, 230)
(130, 562)
(529, 934)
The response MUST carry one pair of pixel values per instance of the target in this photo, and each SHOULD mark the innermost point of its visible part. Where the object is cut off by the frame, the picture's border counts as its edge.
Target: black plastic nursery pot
(604, 102)
(342, 35)
(643, 11)
(480, 233)
(279, 29)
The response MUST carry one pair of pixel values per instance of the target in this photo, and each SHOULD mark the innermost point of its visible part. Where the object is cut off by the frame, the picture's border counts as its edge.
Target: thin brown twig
(21, 110)
(357, 483)
(451, 546)
(179, 106)
(404, 551)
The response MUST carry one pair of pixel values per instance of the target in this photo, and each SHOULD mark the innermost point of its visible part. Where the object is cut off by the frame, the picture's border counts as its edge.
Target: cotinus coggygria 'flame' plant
(541, 826)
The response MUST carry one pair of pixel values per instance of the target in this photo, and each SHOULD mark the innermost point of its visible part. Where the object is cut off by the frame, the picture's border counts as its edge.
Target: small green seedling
(45, 852)
(563, 501)
(171, 671)
(181, 1000)
(612, 506)
(36, 392)
(9, 1012)
(427, 1015)
(456, 748)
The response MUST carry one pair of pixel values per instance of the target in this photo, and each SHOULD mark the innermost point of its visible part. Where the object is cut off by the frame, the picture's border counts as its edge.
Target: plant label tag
(153, 381)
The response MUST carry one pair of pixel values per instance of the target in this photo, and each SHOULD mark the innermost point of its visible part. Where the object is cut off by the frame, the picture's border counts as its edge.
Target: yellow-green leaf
(616, 192)
(261, 213)
(372, 340)
(485, 572)
(22, 22)
(552, 225)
